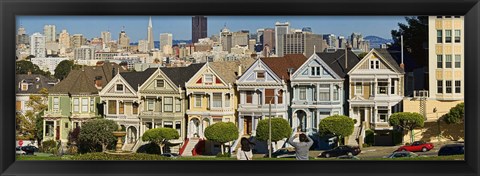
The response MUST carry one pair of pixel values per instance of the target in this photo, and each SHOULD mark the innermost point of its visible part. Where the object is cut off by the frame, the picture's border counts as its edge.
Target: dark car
(452, 149)
(283, 153)
(341, 150)
(29, 150)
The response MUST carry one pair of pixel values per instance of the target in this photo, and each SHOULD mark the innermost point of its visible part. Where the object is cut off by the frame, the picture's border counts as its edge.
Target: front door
(247, 125)
(57, 130)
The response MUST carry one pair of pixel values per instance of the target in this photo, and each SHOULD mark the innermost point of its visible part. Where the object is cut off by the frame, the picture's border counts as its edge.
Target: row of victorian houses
(301, 90)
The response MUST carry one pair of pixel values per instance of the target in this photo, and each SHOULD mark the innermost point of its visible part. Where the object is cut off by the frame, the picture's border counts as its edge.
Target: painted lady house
(376, 92)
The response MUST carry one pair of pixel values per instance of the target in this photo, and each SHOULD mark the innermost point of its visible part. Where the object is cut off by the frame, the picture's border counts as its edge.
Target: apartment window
(374, 64)
(92, 105)
(160, 83)
(457, 86)
(227, 100)
(439, 16)
(168, 104)
(168, 124)
(112, 107)
(198, 100)
(303, 93)
(217, 100)
(178, 126)
(76, 104)
(336, 96)
(439, 86)
(439, 61)
(84, 104)
(56, 103)
(457, 36)
(121, 107)
(249, 95)
(448, 61)
(448, 36)
(135, 108)
(261, 75)
(383, 115)
(150, 104)
(448, 86)
(49, 131)
(358, 88)
(439, 36)
(324, 92)
(457, 16)
(178, 105)
(119, 88)
(209, 79)
(270, 95)
(280, 97)
(382, 87)
(457, 61)
(315, 71)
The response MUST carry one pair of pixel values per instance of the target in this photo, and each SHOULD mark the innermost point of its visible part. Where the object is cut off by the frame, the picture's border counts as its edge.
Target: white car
(19, 151)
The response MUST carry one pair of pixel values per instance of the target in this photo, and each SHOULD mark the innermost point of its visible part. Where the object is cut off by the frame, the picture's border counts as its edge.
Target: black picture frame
(10, 8)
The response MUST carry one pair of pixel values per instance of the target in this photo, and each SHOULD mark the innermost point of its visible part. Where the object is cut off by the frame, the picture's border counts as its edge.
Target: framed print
(239, 87)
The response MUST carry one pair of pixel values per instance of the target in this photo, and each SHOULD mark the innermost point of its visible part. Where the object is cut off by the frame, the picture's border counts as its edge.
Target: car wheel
(327, 155)
(424, 149)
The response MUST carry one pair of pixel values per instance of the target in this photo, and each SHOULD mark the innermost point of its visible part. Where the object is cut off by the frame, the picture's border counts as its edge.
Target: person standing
(302, 147)
(245, 152)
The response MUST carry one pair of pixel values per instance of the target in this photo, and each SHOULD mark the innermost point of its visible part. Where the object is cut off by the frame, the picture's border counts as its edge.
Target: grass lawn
(436, 158)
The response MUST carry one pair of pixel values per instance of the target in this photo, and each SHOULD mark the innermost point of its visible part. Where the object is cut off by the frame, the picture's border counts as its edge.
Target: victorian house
(376, 92)
(28, 85)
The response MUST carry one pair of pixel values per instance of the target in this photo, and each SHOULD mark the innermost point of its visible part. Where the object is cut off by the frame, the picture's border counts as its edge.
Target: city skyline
(180, 26)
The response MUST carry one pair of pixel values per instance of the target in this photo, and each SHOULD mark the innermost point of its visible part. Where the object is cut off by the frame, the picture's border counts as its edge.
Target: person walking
(245, 152)
(302, 147)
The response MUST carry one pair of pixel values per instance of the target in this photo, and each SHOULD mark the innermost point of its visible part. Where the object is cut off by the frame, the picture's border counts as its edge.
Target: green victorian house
(75, 100)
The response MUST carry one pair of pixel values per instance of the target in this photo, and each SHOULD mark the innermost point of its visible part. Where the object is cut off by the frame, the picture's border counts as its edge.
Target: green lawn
(437, 158)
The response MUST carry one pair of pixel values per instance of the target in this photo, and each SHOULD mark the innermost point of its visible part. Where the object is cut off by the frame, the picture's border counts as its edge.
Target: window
(439, 16)
(269, 95)
(92, 105)
(249, 96)
(66, 124)
(358, 88)
(84, 104)
(119, 88)
(439, 86)
(178, 104)
(150, 104)
(227, 100)
(217, 100)
(24, 87)
(121, 107)
(382, 87)
(168, 124)
(75, 104)
(178, 126)
(324, 92)
(160, 83)
(383, 114)
(280, 97)
(112, 107)
(448, 61)
(198, 100)
(315, 71)
(457, 61)
(56, 103)
(168, 104)
(49, 131)
(457, 16)
(457, 86)
(448, 36)
(135, 108)
(448, 16)
(439, 36)
(448, 86)
(260, 99)
(457, 36)
(18, 106)
(392, 86)
(261, 75)
(439, 61)
(302, 93)
(374, 64)
(209, 79)
(336, 96)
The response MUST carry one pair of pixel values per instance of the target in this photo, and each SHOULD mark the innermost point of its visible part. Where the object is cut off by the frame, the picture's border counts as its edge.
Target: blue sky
(180, 26)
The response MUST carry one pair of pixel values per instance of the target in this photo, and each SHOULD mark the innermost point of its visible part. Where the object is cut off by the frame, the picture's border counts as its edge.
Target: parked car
(452, 149)
(19, 151)
(341, 150)
(29, 150)
(402, 154)
(348, 157)
(170, 155)
(416, 146)
(283, 153)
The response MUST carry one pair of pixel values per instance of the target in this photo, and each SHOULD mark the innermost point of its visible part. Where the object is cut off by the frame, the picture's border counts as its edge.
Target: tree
(407, 121)
(30, 123)
(280, 129)
(97, 132)
(63, 69)
(24, 67)
(160, 136)
(222, 132)
(337, 125)
(415, 37)
(455, 115)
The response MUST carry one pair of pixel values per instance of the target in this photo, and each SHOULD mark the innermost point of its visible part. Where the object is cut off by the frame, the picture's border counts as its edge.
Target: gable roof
(228, 70)
(336, 61)
(180, 75)
(280, 65)
(136, 79)
(317, 59)
(393, 58)
(35, 82)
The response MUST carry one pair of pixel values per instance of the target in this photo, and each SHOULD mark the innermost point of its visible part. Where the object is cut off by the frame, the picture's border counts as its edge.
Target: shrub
(225, 155)
(49, 146)
(369, 137)
(337, 125)
(280, 129)
(455, 115)
(222, 132)
(104, 156)
(160, 135)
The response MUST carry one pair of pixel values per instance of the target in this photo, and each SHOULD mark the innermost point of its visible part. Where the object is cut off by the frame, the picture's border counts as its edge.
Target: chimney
(98, 81)
(401, 51)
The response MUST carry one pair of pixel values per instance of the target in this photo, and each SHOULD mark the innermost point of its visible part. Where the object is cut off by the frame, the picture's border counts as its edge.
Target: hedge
(105, 156)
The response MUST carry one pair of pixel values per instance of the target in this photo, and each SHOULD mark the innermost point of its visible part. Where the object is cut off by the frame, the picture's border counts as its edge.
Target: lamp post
(270, 128)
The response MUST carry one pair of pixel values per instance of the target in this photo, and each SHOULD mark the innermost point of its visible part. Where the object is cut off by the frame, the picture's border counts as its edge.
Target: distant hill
(376, 42)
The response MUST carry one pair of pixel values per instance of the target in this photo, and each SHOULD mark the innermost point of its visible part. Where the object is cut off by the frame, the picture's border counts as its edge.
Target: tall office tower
(37, 45)
(22, 36)
(76, 40)
(166, 39)
(50, 33)
(226, 39)
(240, 38)
(355, 39)
(251, 44)
(106, 37)
(123, 40)
(150, 46)
(342, 42)
(21, 30)
(199, 28)
(446, 58)
(260, 36)
(64, 39)
(84, 53)
(303, 43)
(143, 46)
(269, 38)
(332, 40)
(280, 30)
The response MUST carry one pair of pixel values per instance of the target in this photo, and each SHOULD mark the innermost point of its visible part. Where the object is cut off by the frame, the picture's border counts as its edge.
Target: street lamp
(270, 127)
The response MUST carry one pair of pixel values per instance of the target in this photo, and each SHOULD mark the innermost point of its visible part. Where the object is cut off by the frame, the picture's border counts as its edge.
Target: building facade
(37, 45)
(280, 30)
(199, 28)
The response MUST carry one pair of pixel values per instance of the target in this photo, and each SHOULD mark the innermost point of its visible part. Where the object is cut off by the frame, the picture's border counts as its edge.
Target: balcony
(381, 126)
(420, 94)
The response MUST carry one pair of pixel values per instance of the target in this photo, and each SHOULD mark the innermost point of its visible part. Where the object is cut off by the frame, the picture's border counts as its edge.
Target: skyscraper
(76, 41)
(150, 45)
(280, 30)
(50, 33)
(199, 28)
(37, 45)
(260, 36)
(106, 37)
(226, 39)
(269, 38)
(166, 39)
(123, 40)
(64, 39)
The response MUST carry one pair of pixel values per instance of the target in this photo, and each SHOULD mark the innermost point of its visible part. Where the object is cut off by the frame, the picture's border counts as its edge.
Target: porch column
(388, 86)
(44, 123)
(55, 130)
(153, 123)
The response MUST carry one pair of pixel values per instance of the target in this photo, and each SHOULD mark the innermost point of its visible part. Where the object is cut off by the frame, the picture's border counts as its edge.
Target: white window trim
(361, 88)
(195, 101)
(116, 86)
(156, 83)
(53, 104)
